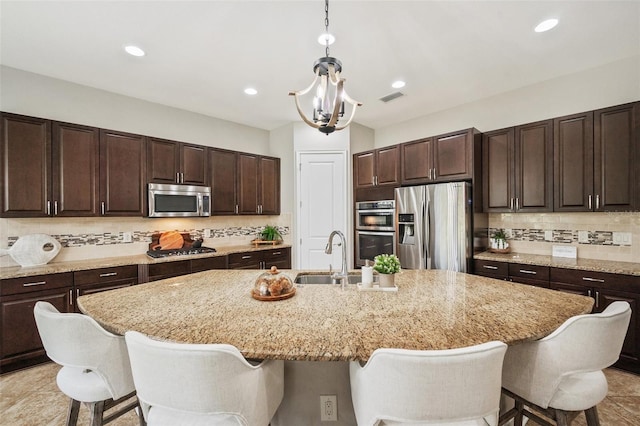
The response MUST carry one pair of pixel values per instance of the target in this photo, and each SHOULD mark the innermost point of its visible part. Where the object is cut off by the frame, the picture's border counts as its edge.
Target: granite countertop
(432, 309)
(610, 266)
(109, 262)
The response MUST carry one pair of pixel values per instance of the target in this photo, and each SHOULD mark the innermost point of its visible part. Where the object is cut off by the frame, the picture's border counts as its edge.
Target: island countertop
(432, 309)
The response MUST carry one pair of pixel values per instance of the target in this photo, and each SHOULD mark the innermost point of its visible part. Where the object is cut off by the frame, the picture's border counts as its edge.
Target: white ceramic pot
(387, 280)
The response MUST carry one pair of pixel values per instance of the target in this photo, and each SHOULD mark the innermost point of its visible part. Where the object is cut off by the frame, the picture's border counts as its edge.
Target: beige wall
(611, 84)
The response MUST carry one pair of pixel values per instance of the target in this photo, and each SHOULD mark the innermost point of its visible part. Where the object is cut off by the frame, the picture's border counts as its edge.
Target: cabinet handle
(589, 292)
(489, 267)
(597, 202)
(108, 274)
(589, 201)
(236, 209)
(71, 297)
(275, 253)
(435, 173)
(48, 208)
(177, 177)
(102, 208)
(597, 299)
(524, 271)
(181, 177)
(34, 284)
(511, 204)
(517, 203)
(55, 208)
(246, 257)
(596, 280)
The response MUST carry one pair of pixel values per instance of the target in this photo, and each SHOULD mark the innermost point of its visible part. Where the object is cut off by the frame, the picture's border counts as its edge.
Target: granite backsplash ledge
(94, 238)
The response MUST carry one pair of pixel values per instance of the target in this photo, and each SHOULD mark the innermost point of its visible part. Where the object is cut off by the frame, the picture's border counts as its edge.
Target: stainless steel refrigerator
(434, 226)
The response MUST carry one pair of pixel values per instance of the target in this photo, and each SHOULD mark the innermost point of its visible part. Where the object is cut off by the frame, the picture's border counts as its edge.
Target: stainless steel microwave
(179, 200)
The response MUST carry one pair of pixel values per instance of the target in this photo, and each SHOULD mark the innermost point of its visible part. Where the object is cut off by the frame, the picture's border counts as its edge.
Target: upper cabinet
(596, 158)
(49, 168)
(122, 174)
(243, 183)
(443, 158)
(518, 168)
(176, 162)
(258, 184)
(377, 167)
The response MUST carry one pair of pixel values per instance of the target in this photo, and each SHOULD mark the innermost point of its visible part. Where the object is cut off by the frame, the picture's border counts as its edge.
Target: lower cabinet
(20, 344)
(208, 263)
(97, 280)
(604, 288)
(263, 259)
(160, 271)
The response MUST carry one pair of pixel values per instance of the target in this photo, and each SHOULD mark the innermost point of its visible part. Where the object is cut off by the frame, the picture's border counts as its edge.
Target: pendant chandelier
(328, 102)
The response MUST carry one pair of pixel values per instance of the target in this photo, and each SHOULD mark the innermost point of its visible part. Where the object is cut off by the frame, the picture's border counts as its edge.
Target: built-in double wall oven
(375, 229)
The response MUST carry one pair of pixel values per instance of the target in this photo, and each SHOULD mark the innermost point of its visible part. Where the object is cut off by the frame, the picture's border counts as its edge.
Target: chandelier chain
(326, 25)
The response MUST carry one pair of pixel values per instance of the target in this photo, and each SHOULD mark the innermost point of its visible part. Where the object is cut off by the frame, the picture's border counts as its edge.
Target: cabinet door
(491, 269)
(208, 263)
(498, 170)
(122, 174)
(75, 170)
(269, 185)
(163, 161)
(573, 163)
(160, 271)
(223, 173)
(631, 345)
(193, 164)
(417, 161)
(388, 166)
(453, 156)
(248, 181)
(245, 260)
(616, 158)
(25, 166)
(364, 169)
(280, 258)
(534, 167)
(20, 342)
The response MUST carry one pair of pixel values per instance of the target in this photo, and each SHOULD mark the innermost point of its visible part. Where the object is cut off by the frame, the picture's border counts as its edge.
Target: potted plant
(499, 240)
(270, 233)
(387, 265)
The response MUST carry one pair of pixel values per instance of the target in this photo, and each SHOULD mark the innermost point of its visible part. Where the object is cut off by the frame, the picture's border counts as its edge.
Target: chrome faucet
(342, 275)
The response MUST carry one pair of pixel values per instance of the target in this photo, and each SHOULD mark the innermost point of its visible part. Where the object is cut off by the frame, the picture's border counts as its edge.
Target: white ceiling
(202, 54)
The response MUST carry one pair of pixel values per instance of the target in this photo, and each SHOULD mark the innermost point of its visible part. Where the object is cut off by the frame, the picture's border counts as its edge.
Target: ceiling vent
(391, 97)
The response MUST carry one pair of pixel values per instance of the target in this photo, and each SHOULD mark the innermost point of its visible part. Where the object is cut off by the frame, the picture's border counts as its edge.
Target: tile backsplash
(92, 238)
(605, 235)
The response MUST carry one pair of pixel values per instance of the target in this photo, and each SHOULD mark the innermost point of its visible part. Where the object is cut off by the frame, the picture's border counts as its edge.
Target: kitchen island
(432, 309)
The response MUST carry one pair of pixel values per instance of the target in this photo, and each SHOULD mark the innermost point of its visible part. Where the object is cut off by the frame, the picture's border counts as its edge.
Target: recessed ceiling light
(398, 84)
(134, 50)
(250, 91)
(326, 38)
(546, 25)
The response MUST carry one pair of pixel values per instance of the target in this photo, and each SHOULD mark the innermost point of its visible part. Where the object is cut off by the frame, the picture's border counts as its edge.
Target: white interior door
(322, 195)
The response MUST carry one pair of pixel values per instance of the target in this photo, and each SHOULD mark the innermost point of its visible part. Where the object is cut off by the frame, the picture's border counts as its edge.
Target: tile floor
(31, 397)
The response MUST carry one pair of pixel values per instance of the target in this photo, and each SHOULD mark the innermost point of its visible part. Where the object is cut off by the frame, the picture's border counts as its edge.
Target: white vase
(387, 280)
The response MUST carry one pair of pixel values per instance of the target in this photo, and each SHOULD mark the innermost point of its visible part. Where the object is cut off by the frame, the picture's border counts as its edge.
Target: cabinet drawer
(35, 283)
(159, 271)
(491, 268)
(529, 272)
(620, 282)
(245, 258)
(207, 263)
(105, 275)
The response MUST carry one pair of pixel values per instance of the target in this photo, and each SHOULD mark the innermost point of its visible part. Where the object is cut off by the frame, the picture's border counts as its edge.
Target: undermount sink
(322, 279)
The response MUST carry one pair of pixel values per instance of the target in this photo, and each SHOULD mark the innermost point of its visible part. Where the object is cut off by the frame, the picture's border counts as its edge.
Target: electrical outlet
(328, 408)
(127, 237)
(583, 236)
(207, 233)
(548, 235)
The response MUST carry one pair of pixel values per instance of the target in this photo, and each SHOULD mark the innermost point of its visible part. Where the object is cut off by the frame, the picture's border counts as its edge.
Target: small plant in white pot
(387, 265)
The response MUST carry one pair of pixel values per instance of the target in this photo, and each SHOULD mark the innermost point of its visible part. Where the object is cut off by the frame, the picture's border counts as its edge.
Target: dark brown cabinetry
(208, 263)
(50, 168)
(515, 272)
(122, 174)
(97, 280)
(443, 158)
(176, 162)
(263, 259)
(518, 168)
(258, 184)
(377, 167)
(595, 160)
(607, 288)
(20, 343)
(160, 271)
(223, 172)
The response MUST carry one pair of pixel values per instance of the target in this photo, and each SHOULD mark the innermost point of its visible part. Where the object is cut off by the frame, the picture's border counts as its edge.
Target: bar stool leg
(72, 412)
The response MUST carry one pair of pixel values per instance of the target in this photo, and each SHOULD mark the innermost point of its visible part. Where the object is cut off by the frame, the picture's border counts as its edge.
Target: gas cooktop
(180, 252)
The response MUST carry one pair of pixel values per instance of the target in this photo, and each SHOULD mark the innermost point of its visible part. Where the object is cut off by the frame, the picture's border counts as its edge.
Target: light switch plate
(127, 237)
(565, 251)
(583, 236)
(622, 238)
(207, 233)
(548, 235)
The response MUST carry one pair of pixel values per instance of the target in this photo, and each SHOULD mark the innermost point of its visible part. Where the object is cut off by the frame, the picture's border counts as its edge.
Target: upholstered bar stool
(458, 387)
(95, 363)
(192, 385)
(561, 374)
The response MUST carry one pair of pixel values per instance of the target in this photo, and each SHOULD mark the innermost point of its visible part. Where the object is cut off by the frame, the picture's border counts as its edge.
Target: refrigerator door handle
(427, 231)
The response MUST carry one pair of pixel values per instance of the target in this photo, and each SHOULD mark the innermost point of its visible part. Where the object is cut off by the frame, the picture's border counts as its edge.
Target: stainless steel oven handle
(382, 233)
